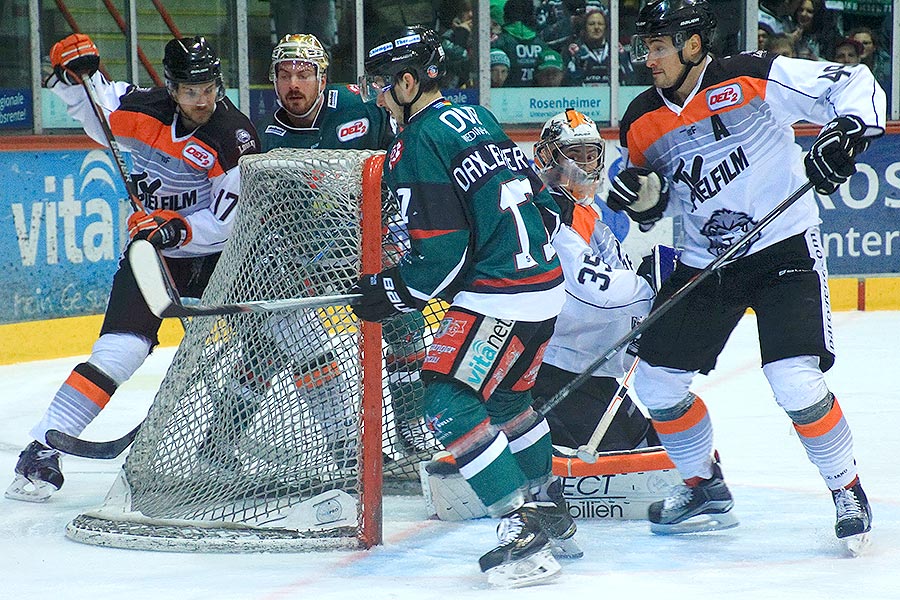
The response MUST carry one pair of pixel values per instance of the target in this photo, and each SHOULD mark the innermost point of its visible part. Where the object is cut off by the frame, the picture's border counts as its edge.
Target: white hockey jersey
(604, 296)
(729, 153)
(192, 172)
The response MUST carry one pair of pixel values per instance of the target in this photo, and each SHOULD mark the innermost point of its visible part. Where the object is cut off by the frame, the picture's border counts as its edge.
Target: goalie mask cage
(277, 431)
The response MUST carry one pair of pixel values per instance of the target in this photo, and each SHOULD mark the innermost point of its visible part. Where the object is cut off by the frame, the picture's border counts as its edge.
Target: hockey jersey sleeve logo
(723, 97)
(353, 129)
(199, 156)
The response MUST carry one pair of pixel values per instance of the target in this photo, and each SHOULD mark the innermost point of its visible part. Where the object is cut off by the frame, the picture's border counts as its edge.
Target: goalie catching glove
(383, 295)
(830, 160)
(74, 57)
(162, 228)
(641, 193)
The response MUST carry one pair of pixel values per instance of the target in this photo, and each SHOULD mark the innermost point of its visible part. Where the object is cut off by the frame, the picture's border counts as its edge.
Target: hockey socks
(77, 402)
(829, 445)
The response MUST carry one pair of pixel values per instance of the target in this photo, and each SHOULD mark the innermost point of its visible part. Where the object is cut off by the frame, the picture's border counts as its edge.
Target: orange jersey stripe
(655, 124)
(88, 388)
(823, 425)
(693, 416)
(583, 220)
(152, 132)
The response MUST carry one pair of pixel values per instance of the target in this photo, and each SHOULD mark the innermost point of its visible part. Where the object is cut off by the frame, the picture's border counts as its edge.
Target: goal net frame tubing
(371, 529)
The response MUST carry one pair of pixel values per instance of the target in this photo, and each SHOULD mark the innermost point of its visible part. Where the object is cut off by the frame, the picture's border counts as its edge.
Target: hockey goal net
(276, 431)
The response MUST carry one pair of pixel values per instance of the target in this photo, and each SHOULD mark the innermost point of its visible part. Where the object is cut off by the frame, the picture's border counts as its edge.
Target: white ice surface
(784, 547)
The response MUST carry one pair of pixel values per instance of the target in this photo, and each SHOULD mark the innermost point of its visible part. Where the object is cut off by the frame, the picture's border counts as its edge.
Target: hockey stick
(88, 449)
(145, 264)
(679, 295)
(588, 452)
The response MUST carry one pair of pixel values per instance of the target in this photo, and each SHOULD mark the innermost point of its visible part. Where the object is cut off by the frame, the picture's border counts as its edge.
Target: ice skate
(38, 474)
(558, 524)
(854, 518)
(523, 557)
(689, 509)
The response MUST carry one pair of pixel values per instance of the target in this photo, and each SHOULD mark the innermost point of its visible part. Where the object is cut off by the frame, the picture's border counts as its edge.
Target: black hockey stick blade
(88, 449)
(163, 302)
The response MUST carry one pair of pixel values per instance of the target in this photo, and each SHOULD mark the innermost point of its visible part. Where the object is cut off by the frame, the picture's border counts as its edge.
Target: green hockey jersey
(470, 198)
(344, 122)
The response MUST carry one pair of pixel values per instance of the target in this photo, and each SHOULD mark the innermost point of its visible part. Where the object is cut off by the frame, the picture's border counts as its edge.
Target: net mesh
(259, 413)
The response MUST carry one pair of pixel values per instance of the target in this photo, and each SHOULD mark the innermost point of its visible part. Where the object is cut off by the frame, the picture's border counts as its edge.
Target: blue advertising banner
(62, 216)
(861, 221)
(15, 108)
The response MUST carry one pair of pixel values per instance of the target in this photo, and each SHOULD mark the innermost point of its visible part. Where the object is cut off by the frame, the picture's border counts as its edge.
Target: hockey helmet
(414, 49)
(570, 154)
(192, 60)
(678, 19)
(301, 47)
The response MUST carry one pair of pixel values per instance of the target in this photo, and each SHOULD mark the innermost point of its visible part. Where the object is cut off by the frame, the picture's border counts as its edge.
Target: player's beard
(194, 116)
(298, 104)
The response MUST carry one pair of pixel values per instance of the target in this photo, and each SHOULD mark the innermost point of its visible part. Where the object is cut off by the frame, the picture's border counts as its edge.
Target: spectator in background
(763, 33)
(456, 19)
(818, 30)
(587, 58)
(519, 41)
(847, 51)
(549, 71)
(778, 15)
(316, 17)
(559, 22)
(878, 61)
(499, 67)
(780, 44)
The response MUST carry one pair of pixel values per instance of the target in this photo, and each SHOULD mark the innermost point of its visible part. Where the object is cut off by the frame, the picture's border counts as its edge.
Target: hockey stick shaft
(88, 449)
(145, 264)
(678, 296)
(588, 452)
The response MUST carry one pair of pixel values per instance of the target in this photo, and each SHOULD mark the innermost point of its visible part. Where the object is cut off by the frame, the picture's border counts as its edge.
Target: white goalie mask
(570, 155)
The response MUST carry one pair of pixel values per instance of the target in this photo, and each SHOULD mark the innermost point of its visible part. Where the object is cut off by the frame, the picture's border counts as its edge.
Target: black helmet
(414, 49)
(191, 60)
(679, 19)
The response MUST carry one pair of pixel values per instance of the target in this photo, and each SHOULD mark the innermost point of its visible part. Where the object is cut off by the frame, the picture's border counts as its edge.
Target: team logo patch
(243, 136)
(353, 129)
(396, 151)
(723, 97)
(198, 155)
(332, 98)
(431, 71)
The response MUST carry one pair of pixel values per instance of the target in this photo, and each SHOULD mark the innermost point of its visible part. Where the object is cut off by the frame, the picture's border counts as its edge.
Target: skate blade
(25, 490)
(856, 545)
(565, 548)
(697, 524)
(536, 569)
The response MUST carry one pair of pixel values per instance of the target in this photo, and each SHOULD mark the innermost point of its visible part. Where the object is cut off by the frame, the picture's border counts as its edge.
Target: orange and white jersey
(193, 172)
(729, 153)
(604, 296)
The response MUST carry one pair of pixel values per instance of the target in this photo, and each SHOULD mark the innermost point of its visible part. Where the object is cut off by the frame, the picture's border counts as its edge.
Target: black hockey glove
(830, 160)
(383, 295)
(657, 266)
(641, 193)
(162, 228)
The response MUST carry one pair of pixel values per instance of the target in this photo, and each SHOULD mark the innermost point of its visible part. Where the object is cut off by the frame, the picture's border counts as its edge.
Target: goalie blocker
(621, 485)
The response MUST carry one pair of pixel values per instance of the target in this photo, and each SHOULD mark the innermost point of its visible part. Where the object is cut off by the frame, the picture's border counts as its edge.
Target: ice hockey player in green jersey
(313, 114)
(470, 202)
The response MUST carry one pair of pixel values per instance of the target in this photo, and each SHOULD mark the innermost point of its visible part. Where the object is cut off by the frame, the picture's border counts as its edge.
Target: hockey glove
(74, 57)
(383, 295)
(162, 228)
(641, 193)
(830, 160)
(657, 266)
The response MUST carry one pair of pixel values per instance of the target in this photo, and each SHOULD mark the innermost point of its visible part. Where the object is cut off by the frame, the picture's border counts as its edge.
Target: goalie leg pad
(447, 494)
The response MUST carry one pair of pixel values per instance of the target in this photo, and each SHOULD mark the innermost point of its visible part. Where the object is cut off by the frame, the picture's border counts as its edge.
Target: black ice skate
(38, 474)
(689, 509)
(854, 517)
(558, 524)
(523, 557)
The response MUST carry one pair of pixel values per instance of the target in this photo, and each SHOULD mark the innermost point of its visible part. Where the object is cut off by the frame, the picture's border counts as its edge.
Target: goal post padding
(268, 430)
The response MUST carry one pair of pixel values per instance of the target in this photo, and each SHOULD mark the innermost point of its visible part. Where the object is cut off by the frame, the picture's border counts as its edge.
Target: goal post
(279, 431)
